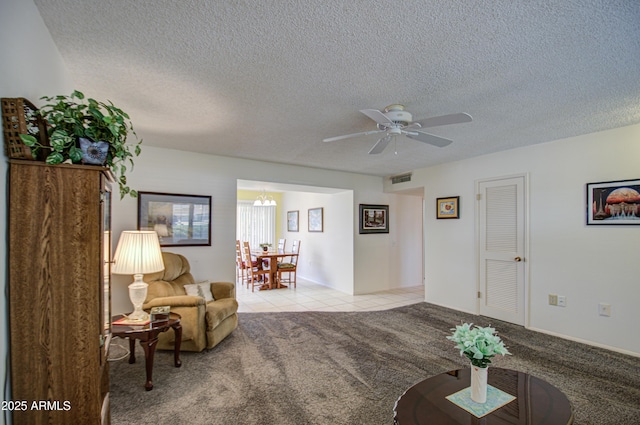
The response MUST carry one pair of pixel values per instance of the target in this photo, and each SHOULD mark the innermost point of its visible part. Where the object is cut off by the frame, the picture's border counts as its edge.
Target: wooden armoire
(59, 292)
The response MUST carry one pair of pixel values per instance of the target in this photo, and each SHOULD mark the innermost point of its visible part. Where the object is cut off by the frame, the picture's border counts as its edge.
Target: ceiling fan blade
(381, 144)
(445, 120)
(377, 116)
(440, 142)
(346, 136)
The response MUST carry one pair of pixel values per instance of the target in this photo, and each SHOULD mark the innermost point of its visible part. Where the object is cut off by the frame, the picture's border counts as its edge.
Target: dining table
(272, 257)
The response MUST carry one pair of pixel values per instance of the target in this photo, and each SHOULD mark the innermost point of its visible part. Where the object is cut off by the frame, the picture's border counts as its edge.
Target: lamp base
(139, 316)
(137, 294)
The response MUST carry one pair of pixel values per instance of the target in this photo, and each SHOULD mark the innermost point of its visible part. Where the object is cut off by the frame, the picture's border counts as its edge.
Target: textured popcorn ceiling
(269, 79)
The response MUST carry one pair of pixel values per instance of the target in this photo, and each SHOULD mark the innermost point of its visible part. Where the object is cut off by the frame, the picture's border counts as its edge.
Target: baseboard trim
(452, 308)
(567, 337)
(587, 342)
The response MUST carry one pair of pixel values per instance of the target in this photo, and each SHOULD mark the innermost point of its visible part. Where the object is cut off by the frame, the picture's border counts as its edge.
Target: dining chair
(257, 274)
(247, 261)
(241, 268)
(254, 259)
(290, 266)
(281, 245)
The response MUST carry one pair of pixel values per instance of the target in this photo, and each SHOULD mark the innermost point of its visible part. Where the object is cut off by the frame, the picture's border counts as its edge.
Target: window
(255, 224)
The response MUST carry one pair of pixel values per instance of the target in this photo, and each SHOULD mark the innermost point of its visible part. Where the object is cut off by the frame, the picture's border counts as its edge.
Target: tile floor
(308, 296)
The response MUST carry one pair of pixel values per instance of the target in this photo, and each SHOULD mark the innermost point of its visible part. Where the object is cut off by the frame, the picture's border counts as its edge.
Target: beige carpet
(350, 368)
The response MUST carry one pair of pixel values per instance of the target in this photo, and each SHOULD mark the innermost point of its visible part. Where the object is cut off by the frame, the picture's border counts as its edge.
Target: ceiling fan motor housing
(398, 115)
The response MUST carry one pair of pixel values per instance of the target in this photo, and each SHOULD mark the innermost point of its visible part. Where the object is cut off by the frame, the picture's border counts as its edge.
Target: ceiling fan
(395, 121)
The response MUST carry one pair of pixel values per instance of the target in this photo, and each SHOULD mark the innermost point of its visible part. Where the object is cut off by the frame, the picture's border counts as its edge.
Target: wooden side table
(148, 337)
(537, 402)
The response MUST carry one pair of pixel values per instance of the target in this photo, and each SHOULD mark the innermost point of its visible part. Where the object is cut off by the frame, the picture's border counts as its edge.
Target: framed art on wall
(316, 218)
(613, 203)
(179, 220)
(374, 218)
(292, 221)
(448, 207)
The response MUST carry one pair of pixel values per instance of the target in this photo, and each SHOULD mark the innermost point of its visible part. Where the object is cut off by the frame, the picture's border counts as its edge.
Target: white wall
(373, 268)
(326, 258)
(587, 264)
(31, 67)
(405, 242)
(393, 259)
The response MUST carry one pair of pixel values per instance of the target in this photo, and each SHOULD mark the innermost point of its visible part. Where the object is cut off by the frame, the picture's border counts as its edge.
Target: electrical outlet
(562, 301)
(604, 309)
(553, 299)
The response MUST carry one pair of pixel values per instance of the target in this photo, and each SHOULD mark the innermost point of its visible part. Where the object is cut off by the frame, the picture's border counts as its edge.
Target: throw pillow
(205, 291)
(192, 289)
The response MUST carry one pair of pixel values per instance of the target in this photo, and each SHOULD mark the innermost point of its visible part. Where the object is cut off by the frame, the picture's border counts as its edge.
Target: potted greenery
(87, 131)
(480, 345)
(265, 246)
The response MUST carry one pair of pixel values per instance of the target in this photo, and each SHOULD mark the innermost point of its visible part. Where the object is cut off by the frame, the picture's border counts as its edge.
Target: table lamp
(138, 252)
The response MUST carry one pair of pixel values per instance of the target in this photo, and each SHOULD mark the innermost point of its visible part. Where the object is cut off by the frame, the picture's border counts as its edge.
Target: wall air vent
(401, 179)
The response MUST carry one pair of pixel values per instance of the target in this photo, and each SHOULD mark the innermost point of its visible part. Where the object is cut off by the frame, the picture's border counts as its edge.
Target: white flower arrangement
(477, 343)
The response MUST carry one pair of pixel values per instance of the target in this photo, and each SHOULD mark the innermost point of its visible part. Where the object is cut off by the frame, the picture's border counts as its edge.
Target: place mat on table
(495, 399)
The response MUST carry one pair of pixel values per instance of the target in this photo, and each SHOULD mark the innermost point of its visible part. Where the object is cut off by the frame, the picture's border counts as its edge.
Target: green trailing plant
(72, 117)
(477, 343)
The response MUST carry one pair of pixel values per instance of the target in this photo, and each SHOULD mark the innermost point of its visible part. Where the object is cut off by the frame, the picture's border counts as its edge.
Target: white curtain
(255, 224)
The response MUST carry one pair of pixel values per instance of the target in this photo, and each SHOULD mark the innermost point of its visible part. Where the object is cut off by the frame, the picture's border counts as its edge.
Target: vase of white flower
(479, 345)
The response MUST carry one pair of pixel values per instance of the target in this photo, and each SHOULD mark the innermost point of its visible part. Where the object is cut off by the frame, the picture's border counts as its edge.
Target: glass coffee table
(537, 402)
(148, 337)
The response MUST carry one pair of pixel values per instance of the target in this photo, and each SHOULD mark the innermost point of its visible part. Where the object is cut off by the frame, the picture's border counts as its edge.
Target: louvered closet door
(502, 246)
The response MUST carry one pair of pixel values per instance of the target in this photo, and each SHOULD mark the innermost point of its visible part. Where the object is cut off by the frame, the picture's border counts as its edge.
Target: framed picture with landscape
(374, 218)
(613, 203)
(292, 221)
(179, 220)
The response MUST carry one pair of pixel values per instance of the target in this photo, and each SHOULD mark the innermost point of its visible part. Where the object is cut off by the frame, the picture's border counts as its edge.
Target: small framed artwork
(448, 207)
(292, 221)
(374, 218)
(613, 203)
(179, 220)
(316, 218)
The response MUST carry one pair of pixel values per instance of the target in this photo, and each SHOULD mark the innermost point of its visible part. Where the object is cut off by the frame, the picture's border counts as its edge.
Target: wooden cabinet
(59, 289)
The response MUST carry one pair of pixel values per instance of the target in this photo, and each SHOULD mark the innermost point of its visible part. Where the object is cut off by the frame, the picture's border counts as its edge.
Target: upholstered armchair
(208, 309)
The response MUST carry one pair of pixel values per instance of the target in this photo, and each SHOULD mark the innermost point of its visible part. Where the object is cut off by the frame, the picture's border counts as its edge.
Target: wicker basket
(19, 117)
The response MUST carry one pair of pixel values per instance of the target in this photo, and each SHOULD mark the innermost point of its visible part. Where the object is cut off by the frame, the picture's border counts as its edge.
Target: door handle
(517, 259)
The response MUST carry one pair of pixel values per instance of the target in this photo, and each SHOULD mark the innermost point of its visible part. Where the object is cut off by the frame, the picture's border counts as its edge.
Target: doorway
(326, 256)
(502, 246)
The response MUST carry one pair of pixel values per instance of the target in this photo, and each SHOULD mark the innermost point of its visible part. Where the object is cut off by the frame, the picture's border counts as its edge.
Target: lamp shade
(138, 252)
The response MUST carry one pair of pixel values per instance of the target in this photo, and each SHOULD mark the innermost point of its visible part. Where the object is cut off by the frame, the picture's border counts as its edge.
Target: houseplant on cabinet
(88, 131)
